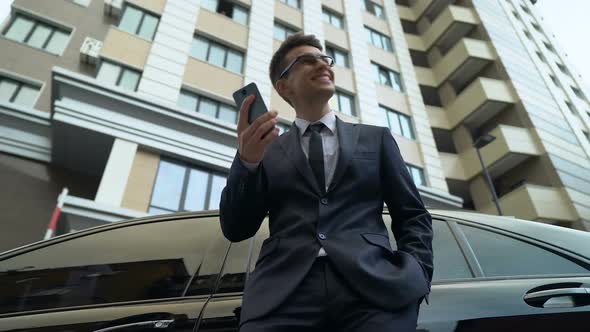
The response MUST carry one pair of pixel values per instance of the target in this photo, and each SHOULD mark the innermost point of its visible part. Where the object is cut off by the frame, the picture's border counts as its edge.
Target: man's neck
(312, 112)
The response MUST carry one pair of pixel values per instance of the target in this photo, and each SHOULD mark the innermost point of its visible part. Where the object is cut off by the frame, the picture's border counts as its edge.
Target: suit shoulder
(371, 129)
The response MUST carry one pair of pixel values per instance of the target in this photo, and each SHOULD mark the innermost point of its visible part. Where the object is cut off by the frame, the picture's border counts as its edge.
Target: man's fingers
(244, 110)
(262, 119)
(270, 137)
(264, 128)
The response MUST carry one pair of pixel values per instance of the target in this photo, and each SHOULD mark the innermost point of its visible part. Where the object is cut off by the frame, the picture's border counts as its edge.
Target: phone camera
(244, 92)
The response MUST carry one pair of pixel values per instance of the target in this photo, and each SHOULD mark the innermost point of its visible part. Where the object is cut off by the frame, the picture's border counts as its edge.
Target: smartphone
(258, 108)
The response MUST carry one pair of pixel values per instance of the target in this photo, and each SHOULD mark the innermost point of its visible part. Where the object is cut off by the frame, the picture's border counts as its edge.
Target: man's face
(308, 80)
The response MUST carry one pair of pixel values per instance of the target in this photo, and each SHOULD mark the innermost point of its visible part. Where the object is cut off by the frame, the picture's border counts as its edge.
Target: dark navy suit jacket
(346, 221)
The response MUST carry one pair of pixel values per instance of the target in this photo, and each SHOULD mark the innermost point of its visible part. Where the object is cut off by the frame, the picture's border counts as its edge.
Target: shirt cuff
(252, 167)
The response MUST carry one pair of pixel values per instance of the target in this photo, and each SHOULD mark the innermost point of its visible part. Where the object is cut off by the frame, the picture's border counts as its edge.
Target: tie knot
(316, 127)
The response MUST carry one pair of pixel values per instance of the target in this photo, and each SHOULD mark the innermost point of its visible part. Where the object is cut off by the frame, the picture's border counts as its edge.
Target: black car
(178, 273)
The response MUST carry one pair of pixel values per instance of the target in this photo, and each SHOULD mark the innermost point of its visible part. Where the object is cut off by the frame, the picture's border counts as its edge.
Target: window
(571, 107)
(555, 81)
(578, 93)
(419, 58)
(387, 77)
(528, 35)
(549, 46)
(343, 103)
(230, 9)
(525, 8)
(194, 103)
(118, 75)
(180, 187)
(417, 175)
(409, 27)
(537, 27)
(373, 8)
(233, 276)
(587, 136)
(138, 22)
(516, 15)
(37, 34)
(379, 40)
(340, 57)
(292, 3)
(541, 57)
(147, 261)
(399, 124)
(217, 54)
(563, 68)
(281, 32)
(449, 262)
(17, 92)
(502, 256)
(333, 18)
(430, 96)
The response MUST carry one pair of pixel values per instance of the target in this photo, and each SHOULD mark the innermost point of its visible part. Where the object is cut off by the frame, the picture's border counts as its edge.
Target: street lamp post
(478, 144)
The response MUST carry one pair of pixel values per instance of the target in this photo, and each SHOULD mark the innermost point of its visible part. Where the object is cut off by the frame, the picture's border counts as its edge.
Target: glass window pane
(384, 77)
(449, 262)
(396, 80)
(279, 32)
(418, 176)
(378, 11)
(39, 35)
(148, 27)
(187, 101)
(130, 20)
(217, 55)
(387, 43)
(240, 15)
(199, 48)
(337, 22)
(108, 72)
(394, 123)
(196, 192)
(500, 255)
(216, 187)
(58, 42)
(27, 95)
(326, 16)
(210, 4)
(234, 61)
(228, 113)
(129, 80)
(345, 103)
(20, 28)
(406, 125)
(208, 106)
(341, 59)
(168, 186)
(7, 89)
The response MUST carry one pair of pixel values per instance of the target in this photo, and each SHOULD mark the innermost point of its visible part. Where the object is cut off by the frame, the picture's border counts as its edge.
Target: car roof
(566, 238)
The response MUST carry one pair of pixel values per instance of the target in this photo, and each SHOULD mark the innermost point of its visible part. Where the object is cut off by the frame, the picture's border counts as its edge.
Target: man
(328, 264)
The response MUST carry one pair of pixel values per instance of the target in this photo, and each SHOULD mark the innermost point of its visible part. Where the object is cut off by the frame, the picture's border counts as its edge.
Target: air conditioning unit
(90, 50)
(113, 7)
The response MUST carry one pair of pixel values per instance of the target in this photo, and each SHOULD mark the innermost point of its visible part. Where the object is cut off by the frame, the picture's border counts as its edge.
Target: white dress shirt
(330, 147)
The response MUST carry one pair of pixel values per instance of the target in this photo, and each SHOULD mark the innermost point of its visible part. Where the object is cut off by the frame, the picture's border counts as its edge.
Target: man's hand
(251, 137)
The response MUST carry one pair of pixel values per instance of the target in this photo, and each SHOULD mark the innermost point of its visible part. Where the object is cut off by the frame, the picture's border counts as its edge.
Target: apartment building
(127, 103)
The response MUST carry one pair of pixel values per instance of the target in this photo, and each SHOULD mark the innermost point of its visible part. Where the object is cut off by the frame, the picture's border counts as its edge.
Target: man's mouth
(323, 77)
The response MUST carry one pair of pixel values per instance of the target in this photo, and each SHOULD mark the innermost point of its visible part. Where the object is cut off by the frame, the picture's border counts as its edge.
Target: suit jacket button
(322, 236)
(324, 201)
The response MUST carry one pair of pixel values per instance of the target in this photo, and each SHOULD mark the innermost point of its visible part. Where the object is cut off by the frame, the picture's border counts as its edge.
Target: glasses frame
(318, 57)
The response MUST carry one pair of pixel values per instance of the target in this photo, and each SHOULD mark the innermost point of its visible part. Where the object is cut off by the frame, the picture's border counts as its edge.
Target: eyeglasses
(308, 59)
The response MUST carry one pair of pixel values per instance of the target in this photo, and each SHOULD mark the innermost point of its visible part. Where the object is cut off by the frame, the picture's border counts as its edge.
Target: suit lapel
(291, 144)
(348, 135)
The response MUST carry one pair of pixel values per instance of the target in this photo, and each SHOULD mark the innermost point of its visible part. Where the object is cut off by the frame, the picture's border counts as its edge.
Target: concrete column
(116, 173)
(163, 72)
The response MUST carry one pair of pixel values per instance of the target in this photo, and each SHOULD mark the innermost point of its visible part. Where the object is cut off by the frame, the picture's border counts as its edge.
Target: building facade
(127, 103)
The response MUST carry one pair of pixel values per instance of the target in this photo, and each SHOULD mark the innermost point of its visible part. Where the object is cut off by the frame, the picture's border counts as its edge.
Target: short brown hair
(277, 63)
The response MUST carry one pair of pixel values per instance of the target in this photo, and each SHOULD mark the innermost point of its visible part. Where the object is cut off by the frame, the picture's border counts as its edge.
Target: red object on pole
(53, 222)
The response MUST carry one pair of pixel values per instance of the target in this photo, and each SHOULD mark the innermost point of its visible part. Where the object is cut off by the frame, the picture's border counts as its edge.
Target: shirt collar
(329, 120)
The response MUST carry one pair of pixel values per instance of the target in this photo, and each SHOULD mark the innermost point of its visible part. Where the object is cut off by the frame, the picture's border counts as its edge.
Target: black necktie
(316, 154)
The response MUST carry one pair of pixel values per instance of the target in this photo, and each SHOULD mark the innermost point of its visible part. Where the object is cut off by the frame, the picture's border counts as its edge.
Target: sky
(568, 23)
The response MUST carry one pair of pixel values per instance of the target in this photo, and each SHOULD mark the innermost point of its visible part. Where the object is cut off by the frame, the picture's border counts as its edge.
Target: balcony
(464, 62)
(449, 27)
(480, 101)
(534, 202)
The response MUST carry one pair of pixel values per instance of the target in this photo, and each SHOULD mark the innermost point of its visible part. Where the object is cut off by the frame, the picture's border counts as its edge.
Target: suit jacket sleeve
(243, 201)
(411, 224)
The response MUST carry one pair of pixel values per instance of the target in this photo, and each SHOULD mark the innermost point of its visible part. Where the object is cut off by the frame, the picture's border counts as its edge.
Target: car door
(513, 283)
(140, 275)
(222, 313)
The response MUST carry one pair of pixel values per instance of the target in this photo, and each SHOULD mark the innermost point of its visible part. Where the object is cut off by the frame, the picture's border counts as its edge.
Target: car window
(500, 255)
(233, 276)
(130, 263)
(449, 261)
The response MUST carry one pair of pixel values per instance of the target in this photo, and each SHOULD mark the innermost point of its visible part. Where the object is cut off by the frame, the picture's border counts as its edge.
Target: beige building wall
(141, 180)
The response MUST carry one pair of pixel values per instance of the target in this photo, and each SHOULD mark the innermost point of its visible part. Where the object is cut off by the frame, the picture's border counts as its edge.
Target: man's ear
(283, 90)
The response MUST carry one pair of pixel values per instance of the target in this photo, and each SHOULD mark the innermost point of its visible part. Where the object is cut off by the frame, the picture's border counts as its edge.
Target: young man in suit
(328, 264)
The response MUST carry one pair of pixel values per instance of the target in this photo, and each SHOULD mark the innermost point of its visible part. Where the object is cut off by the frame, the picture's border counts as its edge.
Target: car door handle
(155, 324)
(547, 294)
